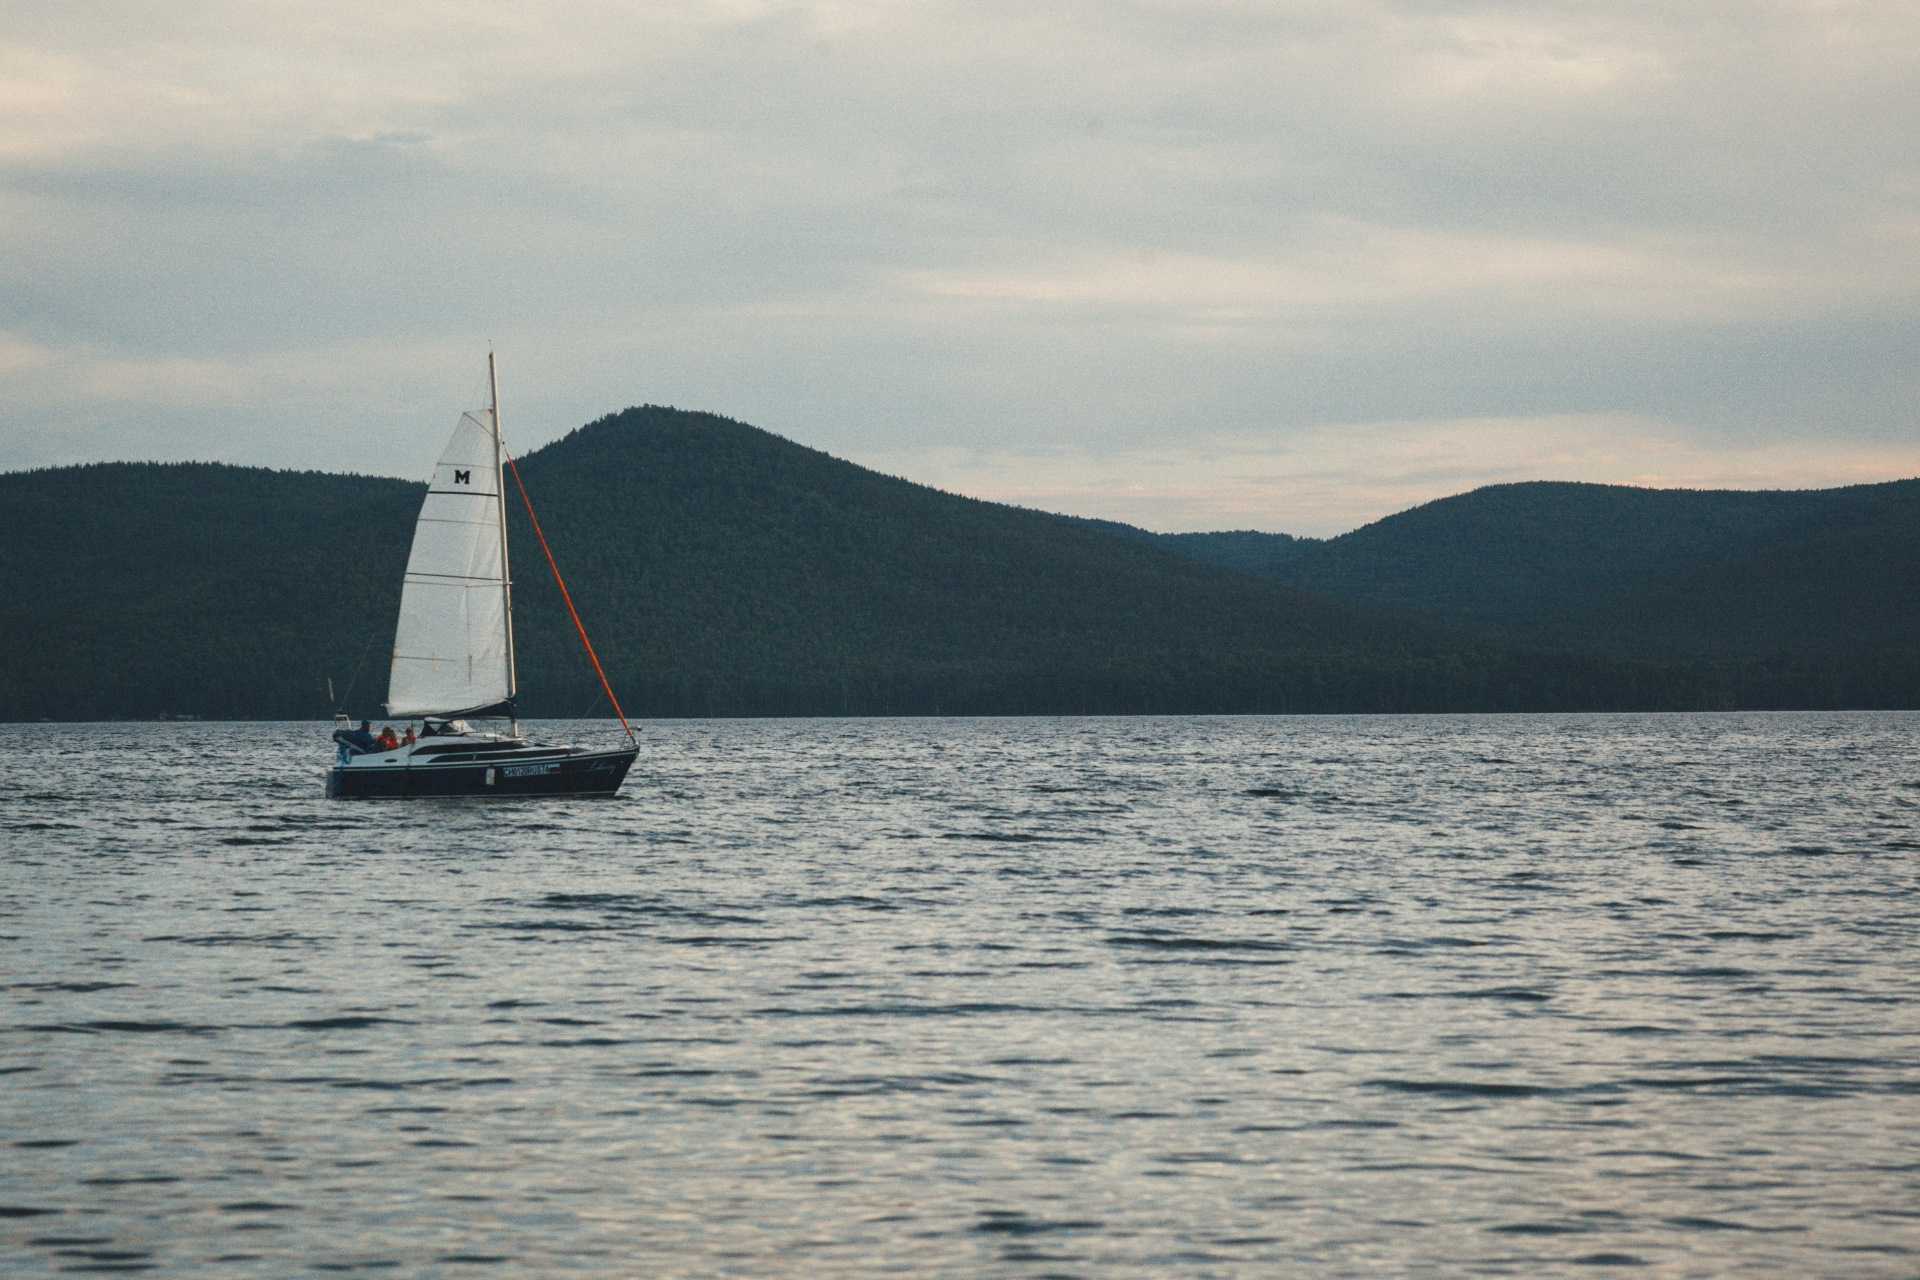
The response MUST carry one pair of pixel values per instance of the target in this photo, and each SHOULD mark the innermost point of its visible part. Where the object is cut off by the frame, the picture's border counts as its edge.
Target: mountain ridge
(1649, 573)
(726, 570)
(722, 571)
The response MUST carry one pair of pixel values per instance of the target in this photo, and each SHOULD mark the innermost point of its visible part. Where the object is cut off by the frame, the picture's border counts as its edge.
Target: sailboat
(453, 649)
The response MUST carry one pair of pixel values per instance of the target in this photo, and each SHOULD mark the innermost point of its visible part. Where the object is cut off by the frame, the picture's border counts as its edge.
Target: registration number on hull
(528, 770)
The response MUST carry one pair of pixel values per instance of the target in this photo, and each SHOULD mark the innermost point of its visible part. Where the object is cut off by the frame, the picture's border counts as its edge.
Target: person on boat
(407, 739)
(388, 739)
(361, 739)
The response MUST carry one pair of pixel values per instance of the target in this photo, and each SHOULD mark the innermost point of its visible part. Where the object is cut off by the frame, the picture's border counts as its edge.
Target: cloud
(273, 233)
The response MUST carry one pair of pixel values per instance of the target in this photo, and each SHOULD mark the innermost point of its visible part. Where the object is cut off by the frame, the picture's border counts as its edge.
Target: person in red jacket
(387, 741)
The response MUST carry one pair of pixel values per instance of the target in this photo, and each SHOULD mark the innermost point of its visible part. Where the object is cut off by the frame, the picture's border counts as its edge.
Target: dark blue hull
(534, 773)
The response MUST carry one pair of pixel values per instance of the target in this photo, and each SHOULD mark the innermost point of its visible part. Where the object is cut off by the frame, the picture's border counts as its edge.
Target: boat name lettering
(523, 770)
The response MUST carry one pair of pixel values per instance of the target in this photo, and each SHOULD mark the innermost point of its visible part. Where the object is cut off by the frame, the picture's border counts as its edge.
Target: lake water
(1434, 996)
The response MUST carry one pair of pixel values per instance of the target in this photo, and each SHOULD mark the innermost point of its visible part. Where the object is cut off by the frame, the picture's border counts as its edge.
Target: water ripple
(1339, 996)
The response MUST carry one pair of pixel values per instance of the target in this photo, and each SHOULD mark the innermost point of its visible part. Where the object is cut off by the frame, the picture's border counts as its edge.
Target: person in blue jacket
(361, 739)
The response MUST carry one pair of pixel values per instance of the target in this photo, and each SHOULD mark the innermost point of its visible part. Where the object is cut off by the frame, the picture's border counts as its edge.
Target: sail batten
(451, 651)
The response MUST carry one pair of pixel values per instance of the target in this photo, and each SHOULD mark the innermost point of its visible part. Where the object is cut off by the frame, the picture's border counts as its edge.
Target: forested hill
(1803, 597)
(721, 570)
(137, 589)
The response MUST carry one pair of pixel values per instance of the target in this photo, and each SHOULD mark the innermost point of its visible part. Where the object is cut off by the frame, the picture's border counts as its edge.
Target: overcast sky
(1191, 265)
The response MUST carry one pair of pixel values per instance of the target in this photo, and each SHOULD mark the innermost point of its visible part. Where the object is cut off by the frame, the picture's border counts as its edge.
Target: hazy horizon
(1024, 506)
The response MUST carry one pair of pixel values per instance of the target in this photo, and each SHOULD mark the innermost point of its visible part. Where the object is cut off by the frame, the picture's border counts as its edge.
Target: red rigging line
(591, 655)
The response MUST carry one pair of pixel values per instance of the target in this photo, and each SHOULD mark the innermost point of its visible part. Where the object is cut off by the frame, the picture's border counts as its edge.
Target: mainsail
(453, 649)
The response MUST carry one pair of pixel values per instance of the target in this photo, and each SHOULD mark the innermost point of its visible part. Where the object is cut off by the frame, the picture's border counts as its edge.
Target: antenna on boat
(354, 680)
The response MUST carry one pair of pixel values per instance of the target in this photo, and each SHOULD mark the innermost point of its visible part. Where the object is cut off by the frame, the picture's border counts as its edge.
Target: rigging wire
(358, 666)
(564, 594)
(591, 708)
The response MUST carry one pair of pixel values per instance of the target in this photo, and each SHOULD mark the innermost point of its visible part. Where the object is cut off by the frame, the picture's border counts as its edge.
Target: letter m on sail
(460, 477)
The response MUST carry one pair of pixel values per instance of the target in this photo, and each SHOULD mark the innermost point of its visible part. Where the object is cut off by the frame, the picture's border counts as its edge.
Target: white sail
(453, 649)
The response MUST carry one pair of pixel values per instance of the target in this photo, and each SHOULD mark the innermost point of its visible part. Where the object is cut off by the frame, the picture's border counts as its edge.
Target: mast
(506, 578)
